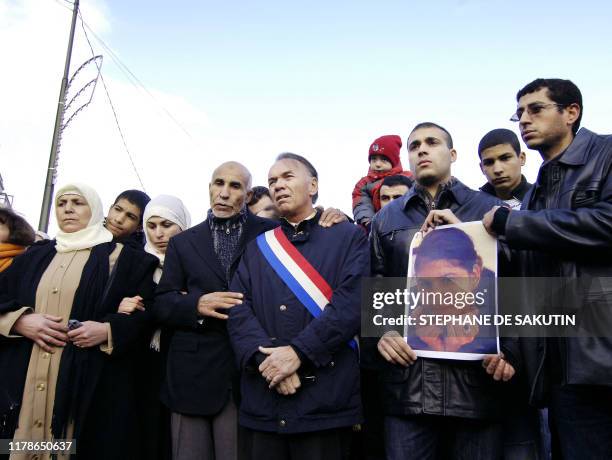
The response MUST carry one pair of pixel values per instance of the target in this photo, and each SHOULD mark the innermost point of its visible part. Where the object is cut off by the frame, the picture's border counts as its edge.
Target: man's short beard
(428, 181)
(545, 145)
(537, 145)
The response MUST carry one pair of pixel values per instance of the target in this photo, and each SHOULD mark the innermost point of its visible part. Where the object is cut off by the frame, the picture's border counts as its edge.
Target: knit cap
(387, 146)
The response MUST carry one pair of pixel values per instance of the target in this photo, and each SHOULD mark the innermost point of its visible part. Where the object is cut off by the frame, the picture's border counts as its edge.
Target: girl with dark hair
(124, 219)
(15, 236)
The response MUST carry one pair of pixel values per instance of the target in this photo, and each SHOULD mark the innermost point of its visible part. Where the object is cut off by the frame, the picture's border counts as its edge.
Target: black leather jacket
(564, 229)
(430, 386)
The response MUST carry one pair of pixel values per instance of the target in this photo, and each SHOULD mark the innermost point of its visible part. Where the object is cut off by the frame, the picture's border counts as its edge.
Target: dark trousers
(317, 445)
(430, 437)
(368, 443)
(582, 417)
(523, 439)
(206, 438)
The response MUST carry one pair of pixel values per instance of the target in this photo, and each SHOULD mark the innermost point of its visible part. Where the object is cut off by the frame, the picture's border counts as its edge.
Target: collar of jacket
(454, 187)
(519, 192)
(375, 175)
(225, 224)
(301, 231)
(575, 154)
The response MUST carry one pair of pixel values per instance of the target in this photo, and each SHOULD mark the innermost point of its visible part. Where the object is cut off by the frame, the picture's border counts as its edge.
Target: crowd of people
(140, 336)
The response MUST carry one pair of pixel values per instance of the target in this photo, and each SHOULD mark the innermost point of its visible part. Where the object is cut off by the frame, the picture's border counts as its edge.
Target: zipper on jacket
(436, 200)
(537, 376)
(553, 180)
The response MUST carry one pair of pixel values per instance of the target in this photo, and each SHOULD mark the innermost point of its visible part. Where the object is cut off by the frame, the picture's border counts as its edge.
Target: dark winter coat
(564, 229)
(106, 384)
(271, 316)
(518, 193)
(200, 368)
(430, 386)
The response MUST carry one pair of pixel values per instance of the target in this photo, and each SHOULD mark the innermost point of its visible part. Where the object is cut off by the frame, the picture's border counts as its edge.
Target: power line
(64, 4)
(137, 83)
(110, 101)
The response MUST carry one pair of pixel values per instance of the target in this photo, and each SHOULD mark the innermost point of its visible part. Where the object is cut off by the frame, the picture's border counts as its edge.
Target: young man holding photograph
(431, 403)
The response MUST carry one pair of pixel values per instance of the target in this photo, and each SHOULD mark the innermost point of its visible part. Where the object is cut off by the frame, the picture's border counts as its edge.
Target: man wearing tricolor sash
(293, 334)
(200, 384)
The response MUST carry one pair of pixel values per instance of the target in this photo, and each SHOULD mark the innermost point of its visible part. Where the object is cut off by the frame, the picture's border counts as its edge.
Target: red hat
(387, 146)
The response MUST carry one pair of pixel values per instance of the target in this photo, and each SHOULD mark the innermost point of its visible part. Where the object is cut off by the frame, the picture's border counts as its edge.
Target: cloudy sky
(248, 80)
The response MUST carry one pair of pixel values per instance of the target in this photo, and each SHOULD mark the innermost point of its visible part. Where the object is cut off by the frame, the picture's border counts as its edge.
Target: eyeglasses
(534, 109)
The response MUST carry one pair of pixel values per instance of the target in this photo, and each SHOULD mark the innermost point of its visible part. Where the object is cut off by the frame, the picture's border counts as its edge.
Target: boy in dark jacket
(526, 432)
(501, 160)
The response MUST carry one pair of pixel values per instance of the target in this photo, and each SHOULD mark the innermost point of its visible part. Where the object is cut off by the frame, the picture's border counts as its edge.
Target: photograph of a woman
(457, 289)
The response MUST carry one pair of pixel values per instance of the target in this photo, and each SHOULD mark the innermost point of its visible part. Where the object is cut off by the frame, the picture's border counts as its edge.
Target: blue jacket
(396, 224)
(271, 315)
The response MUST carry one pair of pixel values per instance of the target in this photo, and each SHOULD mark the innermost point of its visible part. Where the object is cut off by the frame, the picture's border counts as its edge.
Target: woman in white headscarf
(61, 378)
(164, 217)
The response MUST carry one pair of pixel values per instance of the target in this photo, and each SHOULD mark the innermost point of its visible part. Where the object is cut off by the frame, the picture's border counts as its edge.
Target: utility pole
(43, 223)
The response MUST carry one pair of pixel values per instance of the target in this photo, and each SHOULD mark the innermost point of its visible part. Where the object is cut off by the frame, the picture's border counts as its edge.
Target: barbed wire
(132, 78)
(94, 82)
(78, 94)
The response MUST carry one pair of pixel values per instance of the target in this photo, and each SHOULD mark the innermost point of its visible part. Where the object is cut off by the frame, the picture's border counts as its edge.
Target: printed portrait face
(446, 275)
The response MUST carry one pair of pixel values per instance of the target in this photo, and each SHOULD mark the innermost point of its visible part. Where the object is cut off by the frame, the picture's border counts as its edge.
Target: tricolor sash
(297, 273)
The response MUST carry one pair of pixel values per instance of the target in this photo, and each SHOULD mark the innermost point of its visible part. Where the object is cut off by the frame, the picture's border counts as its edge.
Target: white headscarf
(170, 208)
(167, 207)
(94, 233)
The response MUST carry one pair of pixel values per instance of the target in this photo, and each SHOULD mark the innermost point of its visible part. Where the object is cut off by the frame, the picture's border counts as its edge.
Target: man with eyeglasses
(564, 229)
